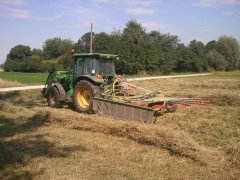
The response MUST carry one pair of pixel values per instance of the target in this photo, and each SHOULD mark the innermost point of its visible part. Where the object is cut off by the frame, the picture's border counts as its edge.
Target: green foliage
(216, 60)
(198, 56)
(231, 51)
(134, 40)
(53, 48)
(139, 51)
(16, 57)
(37, 52)
(101, 42)
(19, 52)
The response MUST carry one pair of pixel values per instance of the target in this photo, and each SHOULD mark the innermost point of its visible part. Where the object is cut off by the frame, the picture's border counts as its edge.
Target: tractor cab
(94, 64)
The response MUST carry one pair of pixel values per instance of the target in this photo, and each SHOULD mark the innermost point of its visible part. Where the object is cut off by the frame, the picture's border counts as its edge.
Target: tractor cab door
(78, 67)
(84, 66)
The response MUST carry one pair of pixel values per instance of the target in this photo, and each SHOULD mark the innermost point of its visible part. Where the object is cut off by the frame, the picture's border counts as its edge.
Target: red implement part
(158, 106)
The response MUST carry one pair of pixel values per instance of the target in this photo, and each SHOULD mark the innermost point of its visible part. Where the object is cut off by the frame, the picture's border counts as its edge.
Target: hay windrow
(176, 142)
(224, 99)
(213, 84)
(233, 153)
(8, 107)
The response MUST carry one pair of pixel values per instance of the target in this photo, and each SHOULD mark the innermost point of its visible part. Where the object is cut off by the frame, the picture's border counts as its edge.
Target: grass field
(40, 78)
(38, 142)
(24, 78)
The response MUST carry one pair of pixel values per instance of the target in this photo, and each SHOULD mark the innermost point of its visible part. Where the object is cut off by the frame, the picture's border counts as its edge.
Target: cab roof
(100, 55)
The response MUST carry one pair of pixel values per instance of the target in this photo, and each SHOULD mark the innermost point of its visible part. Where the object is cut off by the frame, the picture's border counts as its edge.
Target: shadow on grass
(16, 152)
(30, 99)
(4, 96)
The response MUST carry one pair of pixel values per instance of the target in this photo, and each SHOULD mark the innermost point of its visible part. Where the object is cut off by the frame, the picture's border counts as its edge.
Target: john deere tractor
(79, 85)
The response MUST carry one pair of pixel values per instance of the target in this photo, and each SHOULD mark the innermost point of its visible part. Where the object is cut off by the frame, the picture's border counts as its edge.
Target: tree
(198, 55)
(37, 52)
(101, 42)
(16, 56)
(19, 52)
(212, 45)
(83, 44)
(164, 57)
(216, 60)
(53, 48)
(134, 44)
(184, 61)
(31, 64)
(231, 51)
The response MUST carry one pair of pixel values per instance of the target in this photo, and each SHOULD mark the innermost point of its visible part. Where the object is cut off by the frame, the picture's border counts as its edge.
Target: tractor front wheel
(53, 97)
(84, 92)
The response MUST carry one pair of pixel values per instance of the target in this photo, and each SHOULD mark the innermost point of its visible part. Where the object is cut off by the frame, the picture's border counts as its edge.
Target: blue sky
(31, 22)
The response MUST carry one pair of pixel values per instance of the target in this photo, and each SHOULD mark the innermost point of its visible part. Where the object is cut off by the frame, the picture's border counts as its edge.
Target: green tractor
(80, 85)
(93, 86)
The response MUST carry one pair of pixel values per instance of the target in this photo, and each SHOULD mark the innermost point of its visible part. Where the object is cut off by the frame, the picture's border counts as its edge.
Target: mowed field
(38, 142)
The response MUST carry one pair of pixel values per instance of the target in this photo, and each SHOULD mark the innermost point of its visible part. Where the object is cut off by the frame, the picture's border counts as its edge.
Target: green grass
(40, 78)
(24, 78)
(227, 74)
(153, 75)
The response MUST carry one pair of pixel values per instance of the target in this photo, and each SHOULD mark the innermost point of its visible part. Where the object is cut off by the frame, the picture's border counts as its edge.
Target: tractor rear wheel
(84, 92)
(53, 97)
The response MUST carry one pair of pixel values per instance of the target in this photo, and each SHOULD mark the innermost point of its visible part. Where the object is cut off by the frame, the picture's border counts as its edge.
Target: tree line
(139, 51)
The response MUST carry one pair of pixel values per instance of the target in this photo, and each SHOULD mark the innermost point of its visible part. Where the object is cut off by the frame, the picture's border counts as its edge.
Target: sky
(32, 22)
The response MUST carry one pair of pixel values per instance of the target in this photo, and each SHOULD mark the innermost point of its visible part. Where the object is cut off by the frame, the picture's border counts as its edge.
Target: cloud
(6, 11)
(214, 3)
(127, 2)
(18, 13)
(47, 18)
(140, 11)
(103, 1)
(12, 9)
(12, 2)
(158, 26)
(230, 13)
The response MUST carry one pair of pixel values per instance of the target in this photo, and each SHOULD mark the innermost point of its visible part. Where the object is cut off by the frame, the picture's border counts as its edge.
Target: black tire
(84, 92)
(53, 97)
(170, 106)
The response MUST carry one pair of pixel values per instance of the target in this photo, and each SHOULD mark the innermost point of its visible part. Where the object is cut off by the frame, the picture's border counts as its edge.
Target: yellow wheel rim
(83, 98)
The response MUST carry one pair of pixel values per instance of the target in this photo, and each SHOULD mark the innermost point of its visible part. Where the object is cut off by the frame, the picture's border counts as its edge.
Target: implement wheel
(84, 92)
(170, 106)
(53, 97)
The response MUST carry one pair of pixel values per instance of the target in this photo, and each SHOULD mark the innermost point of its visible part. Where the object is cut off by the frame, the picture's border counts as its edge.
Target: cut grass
(5, 83)
(192, 143)
(24, 78)
(55, 144)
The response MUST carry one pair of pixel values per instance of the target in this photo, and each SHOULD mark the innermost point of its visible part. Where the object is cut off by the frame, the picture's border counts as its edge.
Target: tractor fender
(62, 93)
